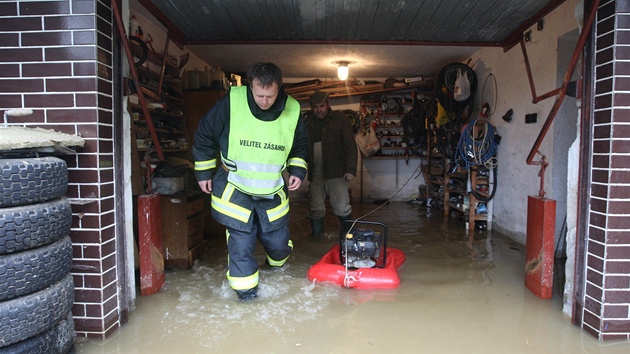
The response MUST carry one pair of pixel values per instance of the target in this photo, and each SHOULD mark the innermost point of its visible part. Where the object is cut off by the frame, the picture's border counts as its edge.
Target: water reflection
(481, 248)
(461, 291)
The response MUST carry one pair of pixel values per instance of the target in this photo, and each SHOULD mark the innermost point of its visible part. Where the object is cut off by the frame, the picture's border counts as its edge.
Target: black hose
(414, 131)
(144, 50)
(444, 141)
(483, 198)
(446, 80)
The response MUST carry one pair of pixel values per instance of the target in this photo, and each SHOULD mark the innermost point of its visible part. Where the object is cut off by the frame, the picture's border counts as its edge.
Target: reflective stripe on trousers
(225, 207)
(281, 210)
(242, 266)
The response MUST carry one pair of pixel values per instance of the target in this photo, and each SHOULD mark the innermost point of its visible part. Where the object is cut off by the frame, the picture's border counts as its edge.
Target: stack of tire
(36, 287)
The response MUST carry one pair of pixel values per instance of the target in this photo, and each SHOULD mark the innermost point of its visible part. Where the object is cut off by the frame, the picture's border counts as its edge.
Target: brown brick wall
(55, 57)
(606, 312)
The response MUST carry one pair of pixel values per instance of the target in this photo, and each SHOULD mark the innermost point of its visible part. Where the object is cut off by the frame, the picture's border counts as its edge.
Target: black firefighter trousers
(242, 266)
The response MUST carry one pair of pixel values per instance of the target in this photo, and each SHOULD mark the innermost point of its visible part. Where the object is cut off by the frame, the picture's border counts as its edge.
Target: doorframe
(584, 182)
(125, 241)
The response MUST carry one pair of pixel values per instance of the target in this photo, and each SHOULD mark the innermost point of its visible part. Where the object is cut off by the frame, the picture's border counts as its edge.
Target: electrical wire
(479, 151)
(390, 198)
(496, 93)
(473, 151)
(560, 259)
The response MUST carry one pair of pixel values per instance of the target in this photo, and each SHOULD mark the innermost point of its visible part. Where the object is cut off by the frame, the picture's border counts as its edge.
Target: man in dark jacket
(332, 161)
(257, 133)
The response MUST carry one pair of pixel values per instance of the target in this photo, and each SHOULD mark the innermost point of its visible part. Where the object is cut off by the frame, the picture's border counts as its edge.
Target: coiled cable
(479, 150)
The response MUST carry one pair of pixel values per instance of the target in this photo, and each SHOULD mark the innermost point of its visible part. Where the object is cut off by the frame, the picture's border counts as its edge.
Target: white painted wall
(565, 132)
(516, 179)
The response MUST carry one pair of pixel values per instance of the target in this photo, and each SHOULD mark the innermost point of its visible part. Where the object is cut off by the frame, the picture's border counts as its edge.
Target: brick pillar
(55, 58)
(606, 296)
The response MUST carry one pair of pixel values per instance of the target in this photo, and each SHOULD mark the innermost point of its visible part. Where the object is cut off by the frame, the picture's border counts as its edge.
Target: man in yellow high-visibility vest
(258, 134)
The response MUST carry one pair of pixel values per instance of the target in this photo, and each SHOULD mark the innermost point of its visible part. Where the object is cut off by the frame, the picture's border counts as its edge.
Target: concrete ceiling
(380, 38)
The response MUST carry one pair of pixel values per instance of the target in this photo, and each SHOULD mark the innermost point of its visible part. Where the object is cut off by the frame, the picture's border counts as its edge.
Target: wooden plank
(175, 220)
(335, 89)
(196, 105)
(313, 86)
(363, 90)
(196, 251)
(298, 89)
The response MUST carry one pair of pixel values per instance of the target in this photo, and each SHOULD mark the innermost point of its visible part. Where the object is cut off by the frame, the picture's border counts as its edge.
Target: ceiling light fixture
(342, 70)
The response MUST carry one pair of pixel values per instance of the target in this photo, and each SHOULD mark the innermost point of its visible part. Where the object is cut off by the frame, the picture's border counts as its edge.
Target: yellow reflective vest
(258, 150)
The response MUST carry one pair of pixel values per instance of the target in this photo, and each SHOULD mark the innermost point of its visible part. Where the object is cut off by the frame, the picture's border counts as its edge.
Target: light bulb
(342, 71)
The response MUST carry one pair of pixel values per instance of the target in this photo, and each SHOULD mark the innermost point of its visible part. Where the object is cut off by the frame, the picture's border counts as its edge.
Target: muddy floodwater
(460, 292)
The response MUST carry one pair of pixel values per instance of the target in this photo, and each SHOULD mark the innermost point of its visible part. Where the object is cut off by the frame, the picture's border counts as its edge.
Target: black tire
(446, 78)
(144, 50)
(32, 180)
(57, 340)
(26, 272)
(30, 315)
(31, 226)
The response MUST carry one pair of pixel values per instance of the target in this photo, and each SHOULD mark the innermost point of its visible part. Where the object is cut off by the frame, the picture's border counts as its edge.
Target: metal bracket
(562, 90)
(543, 166)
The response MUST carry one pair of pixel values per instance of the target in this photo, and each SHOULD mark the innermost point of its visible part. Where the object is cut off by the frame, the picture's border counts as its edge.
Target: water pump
(362, 247)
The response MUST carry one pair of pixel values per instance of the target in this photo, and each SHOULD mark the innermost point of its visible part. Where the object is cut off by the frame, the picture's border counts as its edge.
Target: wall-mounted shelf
(335, 88)
(385, 113)
(164, 102)
(457, 196)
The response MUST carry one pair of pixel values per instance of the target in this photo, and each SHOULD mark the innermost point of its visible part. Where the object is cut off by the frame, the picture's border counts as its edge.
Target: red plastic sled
(330, 270)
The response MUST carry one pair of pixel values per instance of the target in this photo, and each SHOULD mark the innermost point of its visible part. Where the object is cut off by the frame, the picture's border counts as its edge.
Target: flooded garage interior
(460, 292)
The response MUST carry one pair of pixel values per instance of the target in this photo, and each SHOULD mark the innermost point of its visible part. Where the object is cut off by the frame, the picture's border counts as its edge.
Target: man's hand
(294, 183)
(206, 186)
(348, 176)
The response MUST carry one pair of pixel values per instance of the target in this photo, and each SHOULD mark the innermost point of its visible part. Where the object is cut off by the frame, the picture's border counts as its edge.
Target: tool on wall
(414, 126)
(134, 73)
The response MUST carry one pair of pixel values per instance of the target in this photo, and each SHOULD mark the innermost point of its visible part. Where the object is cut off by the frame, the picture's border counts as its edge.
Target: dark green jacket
(339, 149)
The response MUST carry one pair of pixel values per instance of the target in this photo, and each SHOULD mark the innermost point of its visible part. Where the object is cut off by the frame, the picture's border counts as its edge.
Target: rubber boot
(248, 294)
(347, 225)
(317, 227)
